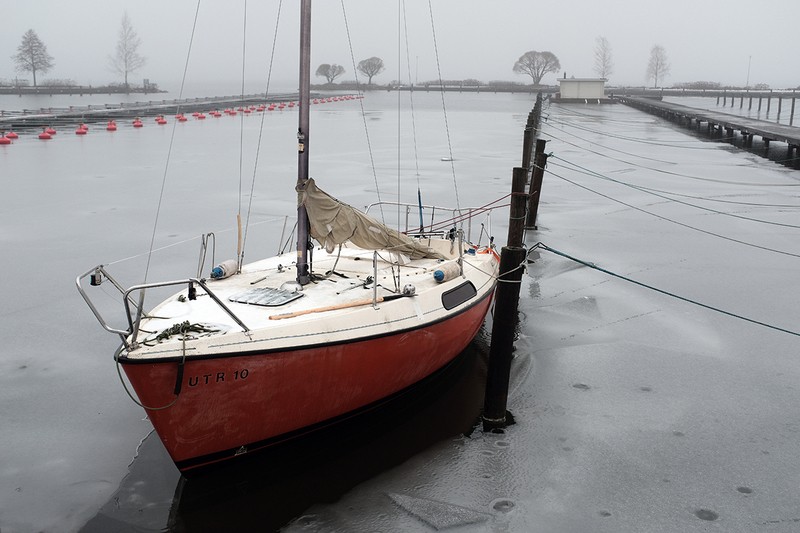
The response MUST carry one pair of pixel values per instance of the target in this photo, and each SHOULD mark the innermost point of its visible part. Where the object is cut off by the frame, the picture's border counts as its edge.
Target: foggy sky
(707, 40)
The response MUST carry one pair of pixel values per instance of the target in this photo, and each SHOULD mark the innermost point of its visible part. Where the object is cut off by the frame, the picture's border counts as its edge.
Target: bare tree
(603, 64)
(371, 67)
(32, 55)
(127, 59)
(330, 72)
(658, 67)
(536, 65)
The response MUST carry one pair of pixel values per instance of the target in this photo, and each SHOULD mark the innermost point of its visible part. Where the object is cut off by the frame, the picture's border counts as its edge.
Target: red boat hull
(237, 403)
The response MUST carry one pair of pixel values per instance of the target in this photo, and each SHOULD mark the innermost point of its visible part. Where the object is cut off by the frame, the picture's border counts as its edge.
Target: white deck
(318, 327)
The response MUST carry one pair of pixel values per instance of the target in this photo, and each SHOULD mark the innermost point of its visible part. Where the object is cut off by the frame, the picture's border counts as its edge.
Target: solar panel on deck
(265, 296)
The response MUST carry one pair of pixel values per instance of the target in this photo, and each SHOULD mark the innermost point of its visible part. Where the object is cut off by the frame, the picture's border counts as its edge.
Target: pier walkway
(717, 122)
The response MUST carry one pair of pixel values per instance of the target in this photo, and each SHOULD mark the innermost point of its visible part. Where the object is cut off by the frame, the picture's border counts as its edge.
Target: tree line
(538, 64)
(32, 55)
(533, 63)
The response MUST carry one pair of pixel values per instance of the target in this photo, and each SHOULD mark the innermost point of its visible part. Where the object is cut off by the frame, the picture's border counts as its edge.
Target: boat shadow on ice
(268, 489)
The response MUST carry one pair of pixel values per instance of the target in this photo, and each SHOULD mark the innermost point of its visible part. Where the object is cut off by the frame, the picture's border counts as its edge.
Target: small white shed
(582, 88)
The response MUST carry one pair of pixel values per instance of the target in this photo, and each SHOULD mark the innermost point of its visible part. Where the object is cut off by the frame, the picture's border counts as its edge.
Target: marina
(633, 411)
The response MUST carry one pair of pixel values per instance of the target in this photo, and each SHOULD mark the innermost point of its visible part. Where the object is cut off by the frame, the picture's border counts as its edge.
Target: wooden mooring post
(531, 132)
(512, 257)
(539, 164)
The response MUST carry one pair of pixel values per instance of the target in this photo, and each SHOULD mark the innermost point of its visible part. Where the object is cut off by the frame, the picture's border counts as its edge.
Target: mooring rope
(542, 246)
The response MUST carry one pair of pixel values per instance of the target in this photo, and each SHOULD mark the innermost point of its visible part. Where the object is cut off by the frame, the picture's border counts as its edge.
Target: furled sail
(333, 222)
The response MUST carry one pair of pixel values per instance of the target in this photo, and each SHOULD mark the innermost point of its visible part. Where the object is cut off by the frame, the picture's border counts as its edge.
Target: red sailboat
(261, 352)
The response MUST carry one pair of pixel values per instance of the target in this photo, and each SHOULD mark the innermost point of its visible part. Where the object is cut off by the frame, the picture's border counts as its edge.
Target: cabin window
(458, 295)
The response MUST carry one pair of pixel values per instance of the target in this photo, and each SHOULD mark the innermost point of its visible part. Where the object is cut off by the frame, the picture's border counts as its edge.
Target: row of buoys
(83, 129)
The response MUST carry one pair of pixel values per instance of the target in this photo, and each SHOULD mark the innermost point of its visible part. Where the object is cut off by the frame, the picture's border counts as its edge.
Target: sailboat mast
(303, 276)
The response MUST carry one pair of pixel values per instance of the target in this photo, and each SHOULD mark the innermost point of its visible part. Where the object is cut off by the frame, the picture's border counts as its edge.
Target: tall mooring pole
(512, 257)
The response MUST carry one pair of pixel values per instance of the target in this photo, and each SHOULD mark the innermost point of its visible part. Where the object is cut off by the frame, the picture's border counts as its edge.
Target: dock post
(780, 105)
(750, 104)
(791, 115)
(539, 164)
(759, 105)
(527, 143)
(495, 415)
(769, 104)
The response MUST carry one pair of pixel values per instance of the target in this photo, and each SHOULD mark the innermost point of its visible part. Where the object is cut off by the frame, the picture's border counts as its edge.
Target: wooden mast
(303, 274)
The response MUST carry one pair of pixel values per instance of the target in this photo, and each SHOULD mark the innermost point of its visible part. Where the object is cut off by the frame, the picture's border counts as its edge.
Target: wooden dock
(717, 122)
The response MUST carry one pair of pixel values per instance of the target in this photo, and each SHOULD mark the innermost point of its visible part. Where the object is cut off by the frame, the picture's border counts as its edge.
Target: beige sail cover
(333, 222)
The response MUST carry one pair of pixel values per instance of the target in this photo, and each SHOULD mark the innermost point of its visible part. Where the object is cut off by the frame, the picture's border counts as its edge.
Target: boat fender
(224, 269)
(446, 272)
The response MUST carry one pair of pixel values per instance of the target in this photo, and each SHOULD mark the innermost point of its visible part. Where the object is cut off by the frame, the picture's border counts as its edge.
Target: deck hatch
(265, 296)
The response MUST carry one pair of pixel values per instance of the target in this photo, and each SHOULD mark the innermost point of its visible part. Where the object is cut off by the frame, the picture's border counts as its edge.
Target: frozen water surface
(635, 411)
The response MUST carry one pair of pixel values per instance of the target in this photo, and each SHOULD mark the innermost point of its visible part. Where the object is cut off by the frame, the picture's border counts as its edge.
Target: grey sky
(709, 40)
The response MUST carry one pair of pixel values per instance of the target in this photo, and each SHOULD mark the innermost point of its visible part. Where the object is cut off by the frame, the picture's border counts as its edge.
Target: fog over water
(733, 43)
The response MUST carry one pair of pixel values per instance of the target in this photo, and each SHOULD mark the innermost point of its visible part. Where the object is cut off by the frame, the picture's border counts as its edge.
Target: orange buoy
(82, 130)
(45, 135)
(11, 135)
(200, 116)
(50, 131)
(137, 123)
(4, 139)
(111, 126)
(161, 120)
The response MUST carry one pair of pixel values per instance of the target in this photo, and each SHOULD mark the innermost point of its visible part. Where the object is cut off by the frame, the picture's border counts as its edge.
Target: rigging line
(399, 77)
(169, 152)
(413, 116)
(190, 239)
(589, 172)
(720, 200)
(669, 172)
(656, 289)
(745, 243)
(471, 213)
(261, 127)
(444, 107)
(615, 149)
(241, 115)
(644, 141)
(363, 113)
(411, 94)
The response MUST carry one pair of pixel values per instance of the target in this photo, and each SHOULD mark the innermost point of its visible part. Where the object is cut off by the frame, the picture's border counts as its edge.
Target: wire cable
(543, 246)
(586, 171)
(682, 224)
